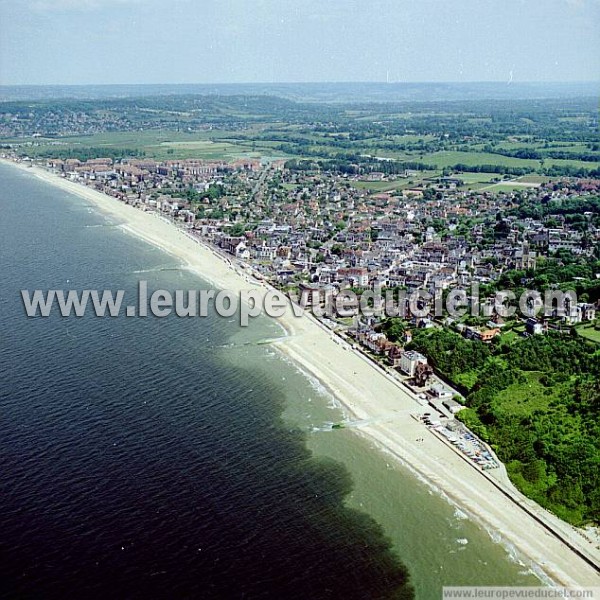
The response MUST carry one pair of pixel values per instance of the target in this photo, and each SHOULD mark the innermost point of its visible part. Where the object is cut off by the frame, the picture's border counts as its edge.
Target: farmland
(482, 141)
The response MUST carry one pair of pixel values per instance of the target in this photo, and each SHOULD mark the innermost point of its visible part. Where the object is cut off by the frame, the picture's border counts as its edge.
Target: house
(579, 313)
(233, 245)
(315, 294)
(376, 342)
(410, 360)
(265, 252)
(452, 405)
(587, 311)
(422, 374)
(395, 356)
(486, 335)
(561, 239)
(359, 276)
(439, 391)
(451, 182)
(534, 327)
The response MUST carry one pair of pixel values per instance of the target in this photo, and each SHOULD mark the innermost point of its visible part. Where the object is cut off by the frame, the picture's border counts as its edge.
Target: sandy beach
(551, 546)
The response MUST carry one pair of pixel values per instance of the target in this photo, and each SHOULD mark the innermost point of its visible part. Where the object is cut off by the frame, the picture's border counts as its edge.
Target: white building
(587, 311)
(534, 327)
(410, 360)
(453, 406)
(579, 313)
(439, 391)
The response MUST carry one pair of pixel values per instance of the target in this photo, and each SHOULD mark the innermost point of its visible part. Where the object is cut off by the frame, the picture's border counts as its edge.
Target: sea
(187, 458)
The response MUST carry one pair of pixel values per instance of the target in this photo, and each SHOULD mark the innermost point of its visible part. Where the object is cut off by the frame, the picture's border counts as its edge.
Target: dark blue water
(134, 461)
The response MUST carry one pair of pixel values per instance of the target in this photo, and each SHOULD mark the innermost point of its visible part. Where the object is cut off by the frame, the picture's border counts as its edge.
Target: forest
(536, 400)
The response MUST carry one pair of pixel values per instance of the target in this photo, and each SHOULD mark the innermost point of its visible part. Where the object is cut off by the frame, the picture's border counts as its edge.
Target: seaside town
(301, 300)
(321, 234)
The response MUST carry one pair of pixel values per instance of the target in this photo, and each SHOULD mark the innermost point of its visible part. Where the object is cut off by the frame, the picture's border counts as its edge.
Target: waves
(160, 269)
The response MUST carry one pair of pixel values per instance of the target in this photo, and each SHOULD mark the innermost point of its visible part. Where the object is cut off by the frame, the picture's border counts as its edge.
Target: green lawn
(506, 186)
(510, 336)
(589, 333)
(468, 380)
(381, 186)
(478, 177)
(450, 158)
(472, 159)
(534, 179)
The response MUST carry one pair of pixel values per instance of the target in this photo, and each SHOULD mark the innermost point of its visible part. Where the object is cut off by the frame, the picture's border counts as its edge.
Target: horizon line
(373, 82)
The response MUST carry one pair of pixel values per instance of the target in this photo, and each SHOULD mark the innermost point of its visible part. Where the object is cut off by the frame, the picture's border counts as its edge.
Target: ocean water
(178, 458)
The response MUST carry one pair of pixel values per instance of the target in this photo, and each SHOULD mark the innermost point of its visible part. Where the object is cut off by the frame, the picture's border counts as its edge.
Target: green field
(262, 140)
(478, 181)
(508, 186)
(535, 179)
(589, 333)
(384, 186)
(522, 399)
(470, 178)
(472, 159)
(160, 145)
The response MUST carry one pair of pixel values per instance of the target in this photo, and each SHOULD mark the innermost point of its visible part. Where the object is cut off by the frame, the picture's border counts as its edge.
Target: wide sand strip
(368, 393)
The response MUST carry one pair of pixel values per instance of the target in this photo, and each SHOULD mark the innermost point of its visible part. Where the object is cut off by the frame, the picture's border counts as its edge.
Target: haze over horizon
(79, 42)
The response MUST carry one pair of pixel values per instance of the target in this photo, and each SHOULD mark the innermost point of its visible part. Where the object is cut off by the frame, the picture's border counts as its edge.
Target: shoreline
(366, 393)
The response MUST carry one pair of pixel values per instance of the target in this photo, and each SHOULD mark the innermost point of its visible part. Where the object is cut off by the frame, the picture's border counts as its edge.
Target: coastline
(367, 393)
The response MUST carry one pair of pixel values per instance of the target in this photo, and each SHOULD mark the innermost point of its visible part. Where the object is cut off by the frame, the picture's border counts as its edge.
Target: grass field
(492, 182)
(508, 186)
(253, 141)
(161, 145)
(448, 159)
(588, 332)
(522, 399)
(383, 186)
(535, 179)
(469, 178)
(478, 181)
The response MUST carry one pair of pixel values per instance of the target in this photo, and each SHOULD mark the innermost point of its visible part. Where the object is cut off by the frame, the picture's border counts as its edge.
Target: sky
(239, 41)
